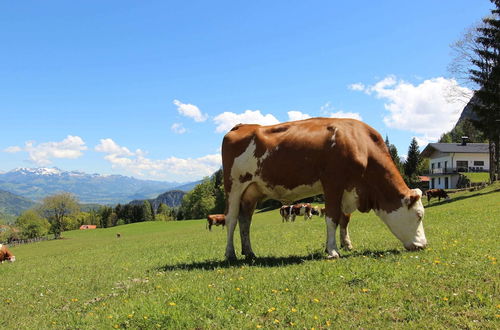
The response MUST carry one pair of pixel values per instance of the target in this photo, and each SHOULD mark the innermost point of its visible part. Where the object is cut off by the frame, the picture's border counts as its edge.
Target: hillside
(179, 279)
(172, 198)
(11, 204)
(37, 183)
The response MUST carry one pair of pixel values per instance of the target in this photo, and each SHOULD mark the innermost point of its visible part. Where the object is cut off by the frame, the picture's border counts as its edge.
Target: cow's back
(301, 153)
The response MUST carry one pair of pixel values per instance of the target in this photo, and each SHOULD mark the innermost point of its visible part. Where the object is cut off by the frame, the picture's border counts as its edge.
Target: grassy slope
(173, 275)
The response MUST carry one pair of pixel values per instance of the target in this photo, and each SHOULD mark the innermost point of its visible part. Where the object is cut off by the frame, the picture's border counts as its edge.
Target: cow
(439, 193)
(215, 220)
(322, 212)
(5, 254)
(286, 213)
(304, 209)
(344, 159)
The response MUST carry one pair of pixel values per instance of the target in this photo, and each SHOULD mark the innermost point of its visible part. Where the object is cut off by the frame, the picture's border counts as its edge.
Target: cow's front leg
(331, 243)
(345, 240)
(246, 246)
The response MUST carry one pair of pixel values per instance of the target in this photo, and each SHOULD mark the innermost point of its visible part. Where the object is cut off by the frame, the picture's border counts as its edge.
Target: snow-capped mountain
(37, 183)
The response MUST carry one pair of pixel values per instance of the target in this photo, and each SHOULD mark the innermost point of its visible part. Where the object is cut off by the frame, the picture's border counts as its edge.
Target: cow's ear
(413, 197)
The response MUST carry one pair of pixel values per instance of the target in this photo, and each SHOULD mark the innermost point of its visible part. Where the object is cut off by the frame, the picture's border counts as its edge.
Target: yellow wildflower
(172, 303)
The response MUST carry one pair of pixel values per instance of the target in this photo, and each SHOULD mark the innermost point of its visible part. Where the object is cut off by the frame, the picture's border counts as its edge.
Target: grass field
(173, 275)
(475, 177)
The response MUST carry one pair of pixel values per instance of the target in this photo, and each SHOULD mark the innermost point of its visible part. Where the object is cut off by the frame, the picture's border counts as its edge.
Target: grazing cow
(322, 211)
(344, 159)
(216, 220)
(286, 213)
(6, 255)
(304, 209)
(439, 193)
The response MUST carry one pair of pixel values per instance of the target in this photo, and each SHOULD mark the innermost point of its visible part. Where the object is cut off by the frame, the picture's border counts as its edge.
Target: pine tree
(486, 74)
(147, 213)
(412, 162)
(393, 151)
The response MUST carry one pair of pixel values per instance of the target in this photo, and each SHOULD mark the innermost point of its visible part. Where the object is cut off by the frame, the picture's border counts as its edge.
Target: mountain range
(37, 183)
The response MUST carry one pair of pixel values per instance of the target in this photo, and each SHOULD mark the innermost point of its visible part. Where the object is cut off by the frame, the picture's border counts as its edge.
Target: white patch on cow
(406, 223)
(350, 201)
(333, 137)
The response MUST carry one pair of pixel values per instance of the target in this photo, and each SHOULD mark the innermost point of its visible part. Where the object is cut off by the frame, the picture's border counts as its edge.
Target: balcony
(454, 170)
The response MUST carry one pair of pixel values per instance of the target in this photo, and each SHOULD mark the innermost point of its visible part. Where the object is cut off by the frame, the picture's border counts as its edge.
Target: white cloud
(13, 149)
(111, 147)
(191, 111)
(71, 147)
(342, 114)
(178, 128)
(357, 87)
(427, 109)
(227, 120)
(172, 168)
(297, 115)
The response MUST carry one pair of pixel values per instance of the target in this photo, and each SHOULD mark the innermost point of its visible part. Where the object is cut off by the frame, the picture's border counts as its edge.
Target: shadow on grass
(271, 261)
(456, 199)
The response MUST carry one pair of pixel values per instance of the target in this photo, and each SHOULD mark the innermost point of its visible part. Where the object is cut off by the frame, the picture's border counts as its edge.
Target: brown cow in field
(344, 159)
(6, 255)
(215, 220)
(439, 193)
(286, 213)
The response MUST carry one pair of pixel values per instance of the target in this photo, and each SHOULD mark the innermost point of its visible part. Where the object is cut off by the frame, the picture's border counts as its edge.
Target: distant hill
(11, 204)
(171, 198)
(37, 183)
(187, 186)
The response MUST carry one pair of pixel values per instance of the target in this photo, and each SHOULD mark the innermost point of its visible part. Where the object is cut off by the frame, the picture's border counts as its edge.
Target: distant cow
(215, 220)
(6, 255)
(439, 193)
(344, 159)
(286, 213)
(118, 235)
(305, 210)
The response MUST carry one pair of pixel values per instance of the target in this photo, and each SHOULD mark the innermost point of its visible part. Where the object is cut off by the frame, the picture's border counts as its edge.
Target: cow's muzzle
(415, 246)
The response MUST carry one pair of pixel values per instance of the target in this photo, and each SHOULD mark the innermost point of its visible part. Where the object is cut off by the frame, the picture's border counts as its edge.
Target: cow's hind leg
(345, 240)
(248, 202)
(233, 208)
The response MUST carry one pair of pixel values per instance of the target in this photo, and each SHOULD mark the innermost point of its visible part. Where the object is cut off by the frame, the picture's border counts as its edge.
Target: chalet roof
(455, 148)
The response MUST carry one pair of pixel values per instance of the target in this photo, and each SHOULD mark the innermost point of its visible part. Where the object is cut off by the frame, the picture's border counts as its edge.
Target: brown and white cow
(286, 213)
(344, 159)
(215, 220)
(439, 193)
(6, 255)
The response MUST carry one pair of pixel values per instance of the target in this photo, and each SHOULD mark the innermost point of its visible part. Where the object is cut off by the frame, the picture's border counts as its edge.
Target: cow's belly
(281, 193)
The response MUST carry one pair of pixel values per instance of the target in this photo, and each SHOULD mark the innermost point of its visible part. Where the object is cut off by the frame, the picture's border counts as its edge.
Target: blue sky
(148, 88)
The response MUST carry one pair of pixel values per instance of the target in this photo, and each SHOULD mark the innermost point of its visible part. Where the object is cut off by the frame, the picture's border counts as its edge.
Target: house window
(439, 181)
(462, 165)
(478, 163)
(432, 165)
(439, 164)
(433, 183)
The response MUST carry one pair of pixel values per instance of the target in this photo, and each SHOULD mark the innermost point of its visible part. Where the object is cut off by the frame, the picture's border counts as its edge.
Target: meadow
(173, 275)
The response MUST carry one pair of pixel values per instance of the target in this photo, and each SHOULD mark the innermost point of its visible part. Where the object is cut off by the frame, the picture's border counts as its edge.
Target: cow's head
(406, 221)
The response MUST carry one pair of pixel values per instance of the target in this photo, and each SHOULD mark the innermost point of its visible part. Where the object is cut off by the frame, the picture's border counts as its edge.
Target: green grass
(173, 275)
(477, 176)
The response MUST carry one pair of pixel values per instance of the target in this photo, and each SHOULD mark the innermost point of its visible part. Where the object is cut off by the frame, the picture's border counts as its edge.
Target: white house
(447, 160)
